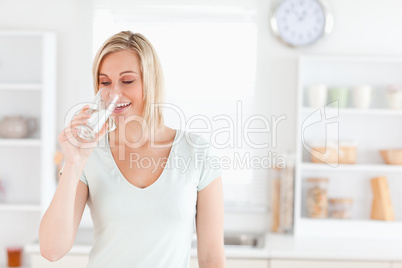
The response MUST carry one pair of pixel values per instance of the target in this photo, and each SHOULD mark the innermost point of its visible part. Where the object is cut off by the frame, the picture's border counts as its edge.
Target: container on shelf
(317, 198)
(317, 95)
(362, 96)
(16, 126)
(392, 157)
(329, 153)
(338, 96)
(340, 208)
(394, 96)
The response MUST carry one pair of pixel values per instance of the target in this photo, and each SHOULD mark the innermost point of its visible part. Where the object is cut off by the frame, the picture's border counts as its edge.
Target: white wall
(362, 27)
(71, 21)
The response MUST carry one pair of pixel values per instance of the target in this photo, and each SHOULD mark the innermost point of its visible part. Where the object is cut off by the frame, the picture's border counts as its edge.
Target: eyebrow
(120, 73)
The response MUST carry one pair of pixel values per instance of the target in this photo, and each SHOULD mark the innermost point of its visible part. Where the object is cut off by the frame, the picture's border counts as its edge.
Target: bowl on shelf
(329, 153)
(392, 157)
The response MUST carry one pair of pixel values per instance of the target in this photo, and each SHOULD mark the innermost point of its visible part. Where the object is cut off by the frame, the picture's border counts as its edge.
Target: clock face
(299, 22)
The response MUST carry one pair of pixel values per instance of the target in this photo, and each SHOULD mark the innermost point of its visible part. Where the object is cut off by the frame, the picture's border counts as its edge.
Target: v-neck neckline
(109, 151)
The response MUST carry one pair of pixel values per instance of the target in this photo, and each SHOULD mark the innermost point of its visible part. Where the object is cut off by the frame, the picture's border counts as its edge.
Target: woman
(143, 214)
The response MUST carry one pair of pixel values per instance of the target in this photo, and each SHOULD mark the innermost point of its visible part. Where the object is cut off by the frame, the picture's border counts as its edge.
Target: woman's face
(120, 71)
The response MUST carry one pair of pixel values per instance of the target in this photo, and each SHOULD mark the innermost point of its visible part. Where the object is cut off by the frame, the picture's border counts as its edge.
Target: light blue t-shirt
(150, 227)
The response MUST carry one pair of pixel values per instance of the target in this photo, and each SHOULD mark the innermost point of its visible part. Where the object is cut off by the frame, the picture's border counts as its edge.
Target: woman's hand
(74, 148)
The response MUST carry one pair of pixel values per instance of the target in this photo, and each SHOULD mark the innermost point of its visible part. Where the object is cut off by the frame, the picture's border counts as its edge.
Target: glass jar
(317, 198)
(340, 208)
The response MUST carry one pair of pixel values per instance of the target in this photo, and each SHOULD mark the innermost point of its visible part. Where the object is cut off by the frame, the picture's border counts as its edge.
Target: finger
(80, 113)
(78, 122)
(79, 118)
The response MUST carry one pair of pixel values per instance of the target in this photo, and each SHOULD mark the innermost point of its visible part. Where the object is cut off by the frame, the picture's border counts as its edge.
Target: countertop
(279, 246)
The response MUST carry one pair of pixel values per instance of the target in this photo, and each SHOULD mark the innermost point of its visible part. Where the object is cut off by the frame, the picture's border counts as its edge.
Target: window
(208, 56)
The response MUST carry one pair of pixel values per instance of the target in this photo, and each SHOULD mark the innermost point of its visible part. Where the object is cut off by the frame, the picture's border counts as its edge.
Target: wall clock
(301, 22)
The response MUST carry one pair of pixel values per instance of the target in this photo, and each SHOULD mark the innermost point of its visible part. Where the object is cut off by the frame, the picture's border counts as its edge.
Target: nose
(117, 91)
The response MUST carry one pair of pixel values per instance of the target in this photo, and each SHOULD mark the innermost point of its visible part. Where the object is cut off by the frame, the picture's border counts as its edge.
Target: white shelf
(351, 59)
(353, 228)
(6, 266)
(20, 86)
(352, 167)
(19, 207)
(246, 209)
(353, 111)
(20, 142)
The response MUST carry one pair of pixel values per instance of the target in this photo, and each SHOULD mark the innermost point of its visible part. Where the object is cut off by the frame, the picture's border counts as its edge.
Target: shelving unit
(19, 208)
(374, 129)
(360, 112)
(353, 168)
(20, 142)
(28, 89)
(20, 86)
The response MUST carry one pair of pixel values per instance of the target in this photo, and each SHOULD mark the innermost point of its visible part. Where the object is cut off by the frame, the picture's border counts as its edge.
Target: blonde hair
(151, 71)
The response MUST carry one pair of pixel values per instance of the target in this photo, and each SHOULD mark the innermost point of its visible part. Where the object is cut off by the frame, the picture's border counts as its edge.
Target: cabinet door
(396, 265)
(326, 264)
(68, 261)
(238, 263)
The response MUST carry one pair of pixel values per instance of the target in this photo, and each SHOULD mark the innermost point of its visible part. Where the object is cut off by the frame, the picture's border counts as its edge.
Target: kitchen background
(219, 57)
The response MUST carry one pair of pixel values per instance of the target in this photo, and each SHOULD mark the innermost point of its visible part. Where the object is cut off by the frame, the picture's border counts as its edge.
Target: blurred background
(311, 130)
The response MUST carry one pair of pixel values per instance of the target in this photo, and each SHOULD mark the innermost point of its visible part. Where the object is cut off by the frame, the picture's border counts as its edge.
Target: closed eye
(128, 82)
(105, 83)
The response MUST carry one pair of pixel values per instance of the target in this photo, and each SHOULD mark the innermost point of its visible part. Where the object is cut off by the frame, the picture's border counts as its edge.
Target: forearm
(216, 260)
(56, 232)
(217, 263)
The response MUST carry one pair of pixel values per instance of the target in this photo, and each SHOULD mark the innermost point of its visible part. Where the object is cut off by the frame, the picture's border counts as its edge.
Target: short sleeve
(83, 178)
(210, 170)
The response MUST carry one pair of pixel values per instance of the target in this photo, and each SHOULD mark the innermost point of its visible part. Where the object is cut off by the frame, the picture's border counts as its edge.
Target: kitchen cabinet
(27, 89)
(326, 264)
(68, 261)
(80, 261)
(371, 130)
(238, 263)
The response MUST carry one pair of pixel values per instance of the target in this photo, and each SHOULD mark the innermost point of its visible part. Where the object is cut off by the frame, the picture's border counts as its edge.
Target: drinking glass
(14, 256)
(100, 109)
